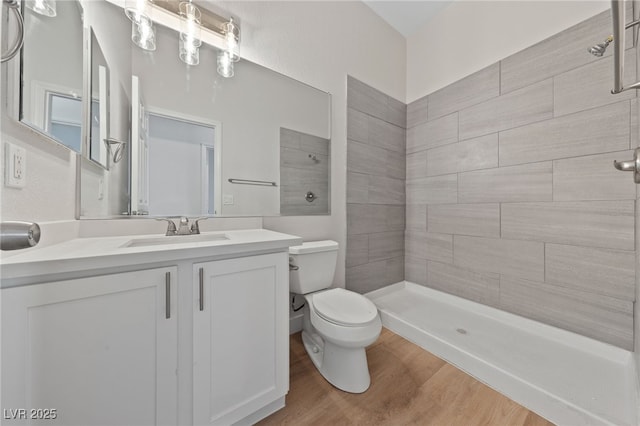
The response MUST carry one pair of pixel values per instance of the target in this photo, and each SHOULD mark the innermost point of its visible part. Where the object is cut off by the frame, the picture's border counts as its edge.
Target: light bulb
(190, 31)
(144, 35)
(225, 64)
(232, 40)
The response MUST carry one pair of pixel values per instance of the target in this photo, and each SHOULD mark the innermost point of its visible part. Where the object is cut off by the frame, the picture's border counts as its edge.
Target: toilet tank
(316, 265)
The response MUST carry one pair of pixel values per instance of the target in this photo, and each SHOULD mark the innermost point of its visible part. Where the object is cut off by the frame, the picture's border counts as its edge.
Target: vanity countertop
(83, 254)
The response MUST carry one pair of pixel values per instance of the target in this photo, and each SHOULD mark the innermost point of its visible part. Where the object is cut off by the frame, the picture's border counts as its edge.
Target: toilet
(337, 324)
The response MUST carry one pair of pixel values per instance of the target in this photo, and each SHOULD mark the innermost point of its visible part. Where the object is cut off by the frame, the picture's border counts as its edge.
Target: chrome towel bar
(253, 182)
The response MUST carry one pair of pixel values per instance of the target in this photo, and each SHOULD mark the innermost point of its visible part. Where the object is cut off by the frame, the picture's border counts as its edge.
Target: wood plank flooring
(409, 386)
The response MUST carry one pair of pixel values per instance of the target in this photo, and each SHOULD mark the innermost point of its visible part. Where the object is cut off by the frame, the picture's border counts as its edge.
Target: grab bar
(253, 182)
(619, 27)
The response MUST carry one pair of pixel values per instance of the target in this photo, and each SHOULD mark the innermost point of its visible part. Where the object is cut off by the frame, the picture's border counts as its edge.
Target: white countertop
(82, 254)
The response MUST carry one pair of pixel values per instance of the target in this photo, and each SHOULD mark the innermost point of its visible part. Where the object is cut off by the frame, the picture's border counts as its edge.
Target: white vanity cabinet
(240, 338)
(96, 350)
(155, 345)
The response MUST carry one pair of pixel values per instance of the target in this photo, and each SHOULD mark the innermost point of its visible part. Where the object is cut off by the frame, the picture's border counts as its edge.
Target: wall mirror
(51, 78)
(190, 141)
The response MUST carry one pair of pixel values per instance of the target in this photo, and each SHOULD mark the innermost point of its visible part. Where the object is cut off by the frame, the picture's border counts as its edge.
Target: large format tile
(481, 220)
(365, 98)
(384, 190)
(357, 250)
(417, 217)
(386, 135)
(357, 188)
(592, 178)
(595, 131)
(471, 154)
(395, 165)
(396, 112)
(607, 224)
(590, 86)
(603, 318)
(433, 190)
(417, 112)
(508, 257)
(440, 131)
(363, 158)
(527, 105)
(528, 182)
(374, 275)
(428, 245)
(367, 218)
(471, 90)
(417, 165)
(386, 245)
(608, 272)
(559, 53)
(415, 270)
(480, 287)
(357, 125)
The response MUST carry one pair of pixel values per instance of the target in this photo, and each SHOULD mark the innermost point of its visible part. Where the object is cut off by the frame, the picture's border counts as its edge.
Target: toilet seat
(344, 308)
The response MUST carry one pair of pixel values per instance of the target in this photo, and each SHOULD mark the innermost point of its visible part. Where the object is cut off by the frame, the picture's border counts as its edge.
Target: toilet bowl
(338, 324)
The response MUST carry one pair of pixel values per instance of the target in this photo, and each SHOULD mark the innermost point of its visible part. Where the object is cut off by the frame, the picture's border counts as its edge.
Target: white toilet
(338, 324)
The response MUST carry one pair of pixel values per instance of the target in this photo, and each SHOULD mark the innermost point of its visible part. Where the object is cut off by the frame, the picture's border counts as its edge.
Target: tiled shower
(510, 195)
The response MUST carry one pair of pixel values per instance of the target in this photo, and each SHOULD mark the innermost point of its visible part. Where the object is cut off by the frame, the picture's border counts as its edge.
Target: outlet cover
(15, 168)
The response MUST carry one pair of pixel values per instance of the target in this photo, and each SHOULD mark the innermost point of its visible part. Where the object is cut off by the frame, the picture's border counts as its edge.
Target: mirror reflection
(52, 73)
(164, 138)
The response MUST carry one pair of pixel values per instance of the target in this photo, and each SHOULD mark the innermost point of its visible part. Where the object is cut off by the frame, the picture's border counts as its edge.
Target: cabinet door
(99, 350)
(241, 346)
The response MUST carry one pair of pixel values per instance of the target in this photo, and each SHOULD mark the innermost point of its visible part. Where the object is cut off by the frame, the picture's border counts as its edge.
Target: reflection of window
(64, 121)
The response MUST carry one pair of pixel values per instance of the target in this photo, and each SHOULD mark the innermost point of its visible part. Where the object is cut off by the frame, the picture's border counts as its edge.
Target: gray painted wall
(512, 199)
(375, 188)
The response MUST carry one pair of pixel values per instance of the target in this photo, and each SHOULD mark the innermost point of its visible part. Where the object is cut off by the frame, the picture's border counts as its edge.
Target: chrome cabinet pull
(630, 166)
(167, 294)
(202, 289)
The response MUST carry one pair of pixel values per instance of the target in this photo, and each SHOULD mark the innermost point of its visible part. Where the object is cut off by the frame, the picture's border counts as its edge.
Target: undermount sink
(174, 239)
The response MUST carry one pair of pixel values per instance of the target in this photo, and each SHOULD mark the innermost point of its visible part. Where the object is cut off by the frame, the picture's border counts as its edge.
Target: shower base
(567, 378)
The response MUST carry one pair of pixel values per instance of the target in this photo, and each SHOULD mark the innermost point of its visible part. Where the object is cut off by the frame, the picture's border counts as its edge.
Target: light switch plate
(15, 168)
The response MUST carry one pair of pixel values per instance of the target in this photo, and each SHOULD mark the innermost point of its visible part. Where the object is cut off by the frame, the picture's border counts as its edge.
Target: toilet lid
(344, 307)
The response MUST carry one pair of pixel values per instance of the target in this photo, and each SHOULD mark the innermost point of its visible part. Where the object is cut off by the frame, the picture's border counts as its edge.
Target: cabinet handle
(202, 289)
(167, 294)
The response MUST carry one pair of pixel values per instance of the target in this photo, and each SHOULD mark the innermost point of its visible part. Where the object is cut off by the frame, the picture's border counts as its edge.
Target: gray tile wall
(304, 166)
(376, 165)
(512, 199)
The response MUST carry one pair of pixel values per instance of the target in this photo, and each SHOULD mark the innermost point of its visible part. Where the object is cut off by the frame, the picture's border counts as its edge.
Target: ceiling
(407, 16)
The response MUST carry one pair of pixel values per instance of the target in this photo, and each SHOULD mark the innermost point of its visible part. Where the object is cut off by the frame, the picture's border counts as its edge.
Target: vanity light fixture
(42, 7)
(143, 33)
(190, 32)
(231, 52)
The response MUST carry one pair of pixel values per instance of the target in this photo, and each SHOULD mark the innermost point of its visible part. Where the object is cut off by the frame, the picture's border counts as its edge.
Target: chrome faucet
(184, 228)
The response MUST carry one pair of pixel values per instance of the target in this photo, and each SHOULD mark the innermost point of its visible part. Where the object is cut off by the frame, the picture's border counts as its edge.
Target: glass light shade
(43, 7)
(138, 10)
(144, 35)
(189, 53)
(232, 40)
(190, 33)
(225, 64)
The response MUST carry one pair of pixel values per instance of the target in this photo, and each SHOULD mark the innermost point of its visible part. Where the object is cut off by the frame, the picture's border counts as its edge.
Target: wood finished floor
(409, 386)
